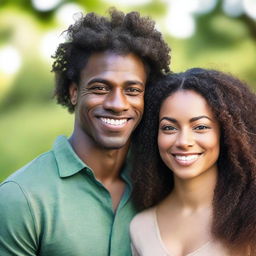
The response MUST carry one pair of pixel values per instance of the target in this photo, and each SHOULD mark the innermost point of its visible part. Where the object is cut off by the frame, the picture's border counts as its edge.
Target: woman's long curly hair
(121, 33)
(234, 105)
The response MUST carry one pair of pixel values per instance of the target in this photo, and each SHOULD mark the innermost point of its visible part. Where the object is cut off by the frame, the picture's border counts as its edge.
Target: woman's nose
(185, 139)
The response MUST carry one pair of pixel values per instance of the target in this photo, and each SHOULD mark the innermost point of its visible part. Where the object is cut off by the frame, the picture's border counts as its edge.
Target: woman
(195, 168)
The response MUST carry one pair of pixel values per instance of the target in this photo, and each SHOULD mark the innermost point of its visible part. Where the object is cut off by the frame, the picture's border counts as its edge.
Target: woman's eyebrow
(193, 119)
(169, 119)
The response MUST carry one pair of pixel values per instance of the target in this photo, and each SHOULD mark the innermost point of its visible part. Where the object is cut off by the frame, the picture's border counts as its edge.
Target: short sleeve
(17, 229)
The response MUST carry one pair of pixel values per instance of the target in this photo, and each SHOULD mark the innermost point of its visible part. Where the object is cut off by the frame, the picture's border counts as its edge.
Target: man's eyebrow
(98, 80)
(107, 82)
(130, 82)
(193, 119)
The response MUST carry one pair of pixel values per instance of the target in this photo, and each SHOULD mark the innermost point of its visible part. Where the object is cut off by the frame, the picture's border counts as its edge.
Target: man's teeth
(186, 158)
(113, 121)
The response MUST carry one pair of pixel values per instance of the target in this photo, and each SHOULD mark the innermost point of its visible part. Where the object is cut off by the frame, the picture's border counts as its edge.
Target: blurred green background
(206, 33)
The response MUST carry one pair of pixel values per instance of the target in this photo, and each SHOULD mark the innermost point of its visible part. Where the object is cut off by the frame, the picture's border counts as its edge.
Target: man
(75, 199)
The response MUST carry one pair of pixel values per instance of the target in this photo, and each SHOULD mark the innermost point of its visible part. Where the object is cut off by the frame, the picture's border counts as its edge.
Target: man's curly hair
(121, 33)
(234, 105)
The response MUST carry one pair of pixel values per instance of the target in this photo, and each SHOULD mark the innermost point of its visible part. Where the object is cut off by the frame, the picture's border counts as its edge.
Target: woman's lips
(186, 159)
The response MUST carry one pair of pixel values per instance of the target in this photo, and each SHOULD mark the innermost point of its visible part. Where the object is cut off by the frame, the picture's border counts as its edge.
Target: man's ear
(73, 93)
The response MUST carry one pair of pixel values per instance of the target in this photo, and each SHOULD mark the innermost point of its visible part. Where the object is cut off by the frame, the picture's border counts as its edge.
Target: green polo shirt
(54, 206)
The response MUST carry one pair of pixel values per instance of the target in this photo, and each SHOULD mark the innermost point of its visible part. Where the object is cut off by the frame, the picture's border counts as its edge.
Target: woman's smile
(186, 159)
(188, 136)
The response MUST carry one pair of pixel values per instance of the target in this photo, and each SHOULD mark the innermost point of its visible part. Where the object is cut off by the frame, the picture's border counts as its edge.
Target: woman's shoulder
(144, 235)
(143, 220)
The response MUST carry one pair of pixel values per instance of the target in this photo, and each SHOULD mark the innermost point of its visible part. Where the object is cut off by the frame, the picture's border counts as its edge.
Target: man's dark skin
(76, 199)
(108, 106)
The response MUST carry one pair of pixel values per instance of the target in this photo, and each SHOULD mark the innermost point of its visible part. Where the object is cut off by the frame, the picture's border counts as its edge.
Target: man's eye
(133, 91)
(99, 89)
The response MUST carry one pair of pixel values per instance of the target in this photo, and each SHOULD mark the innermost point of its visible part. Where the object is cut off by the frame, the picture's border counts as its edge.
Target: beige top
(146, 239)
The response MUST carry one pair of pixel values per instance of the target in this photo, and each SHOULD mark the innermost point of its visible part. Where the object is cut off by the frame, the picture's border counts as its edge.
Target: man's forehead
(103, 63)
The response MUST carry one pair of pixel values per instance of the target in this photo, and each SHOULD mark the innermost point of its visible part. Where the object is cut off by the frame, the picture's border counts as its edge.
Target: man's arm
(17, 226)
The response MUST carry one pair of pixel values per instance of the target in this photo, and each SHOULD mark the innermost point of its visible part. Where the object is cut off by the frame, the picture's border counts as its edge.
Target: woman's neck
(194, 194)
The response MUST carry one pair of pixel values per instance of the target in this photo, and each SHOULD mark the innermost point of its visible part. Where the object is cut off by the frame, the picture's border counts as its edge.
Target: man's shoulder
(32, 186)
(35, 171)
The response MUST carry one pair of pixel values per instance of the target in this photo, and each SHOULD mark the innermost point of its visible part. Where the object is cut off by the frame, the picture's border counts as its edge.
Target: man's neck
(105, 163)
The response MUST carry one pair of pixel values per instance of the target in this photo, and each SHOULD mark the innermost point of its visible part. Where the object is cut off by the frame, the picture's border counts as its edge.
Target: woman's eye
(168, 128)
(201, 127)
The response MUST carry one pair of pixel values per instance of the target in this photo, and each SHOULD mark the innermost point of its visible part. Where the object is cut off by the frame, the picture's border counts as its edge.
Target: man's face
(109, 99)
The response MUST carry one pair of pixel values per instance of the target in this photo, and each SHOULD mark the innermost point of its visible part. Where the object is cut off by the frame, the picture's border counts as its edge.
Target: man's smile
(114, 121)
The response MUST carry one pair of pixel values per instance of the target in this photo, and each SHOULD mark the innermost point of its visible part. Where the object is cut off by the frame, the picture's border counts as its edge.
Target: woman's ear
(73, 93)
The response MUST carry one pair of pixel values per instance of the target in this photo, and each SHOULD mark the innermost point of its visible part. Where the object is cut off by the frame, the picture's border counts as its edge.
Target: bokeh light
(10, 60)
(180, 25)
(45, 5)
(179, 20)
(250, 8)
(128, 2)
(233, 8)
(203, 6)
(66, 14)
(49, 43)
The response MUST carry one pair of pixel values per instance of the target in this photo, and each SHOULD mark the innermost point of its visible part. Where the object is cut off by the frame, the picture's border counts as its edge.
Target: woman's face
(189, 135)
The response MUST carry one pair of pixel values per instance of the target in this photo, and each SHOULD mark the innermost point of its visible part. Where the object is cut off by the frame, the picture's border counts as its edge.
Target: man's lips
(114, 121)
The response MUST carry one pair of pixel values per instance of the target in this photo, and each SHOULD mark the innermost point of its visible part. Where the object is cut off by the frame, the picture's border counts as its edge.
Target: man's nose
(116, 101)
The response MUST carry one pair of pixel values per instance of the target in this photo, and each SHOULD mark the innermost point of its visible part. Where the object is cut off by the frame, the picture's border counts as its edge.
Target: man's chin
(115, 143)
